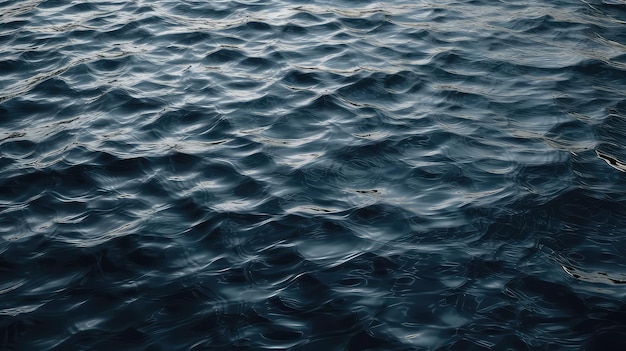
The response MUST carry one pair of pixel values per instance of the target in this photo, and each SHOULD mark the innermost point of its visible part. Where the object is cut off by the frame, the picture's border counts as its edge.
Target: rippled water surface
(313, 175)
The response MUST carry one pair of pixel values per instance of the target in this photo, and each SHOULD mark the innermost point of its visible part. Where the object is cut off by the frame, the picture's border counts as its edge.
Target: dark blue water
(313, 175)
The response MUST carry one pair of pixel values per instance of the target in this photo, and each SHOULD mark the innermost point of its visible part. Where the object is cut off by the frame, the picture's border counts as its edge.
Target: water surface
(312, 175)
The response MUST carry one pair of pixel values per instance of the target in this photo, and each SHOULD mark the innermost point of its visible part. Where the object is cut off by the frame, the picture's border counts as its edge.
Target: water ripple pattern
(312, 175)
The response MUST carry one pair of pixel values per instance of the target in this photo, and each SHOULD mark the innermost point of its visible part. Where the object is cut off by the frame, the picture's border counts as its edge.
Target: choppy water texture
(313, 175)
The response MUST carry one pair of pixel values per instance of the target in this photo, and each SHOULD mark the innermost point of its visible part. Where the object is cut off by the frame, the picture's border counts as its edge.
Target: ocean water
(313, 175)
